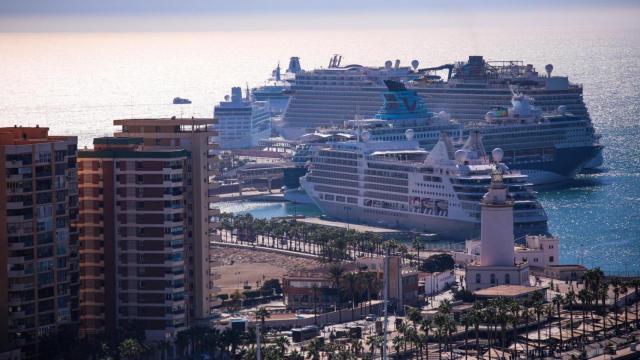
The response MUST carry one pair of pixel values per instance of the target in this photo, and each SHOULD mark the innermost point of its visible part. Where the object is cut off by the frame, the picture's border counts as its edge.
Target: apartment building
(197, 136)
(38, 238)
(132, 238)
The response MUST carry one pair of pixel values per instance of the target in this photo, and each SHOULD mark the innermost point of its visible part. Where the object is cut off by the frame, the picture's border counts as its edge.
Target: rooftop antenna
(247, 91)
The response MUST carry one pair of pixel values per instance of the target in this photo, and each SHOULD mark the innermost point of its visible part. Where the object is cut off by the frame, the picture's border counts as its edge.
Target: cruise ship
(465, 90)
(276, 90)
(242, 123)
(548, 147)
(398, 184)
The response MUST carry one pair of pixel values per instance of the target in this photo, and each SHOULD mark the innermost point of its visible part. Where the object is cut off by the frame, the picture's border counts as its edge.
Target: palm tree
(514, 309)
(397, 341)
(351, 280)
(585, 298)
(425, 325)
(502, 318)
(369, 278)
(130, 349)
(624, 290)
(356, 347)
(616, 283)
(282, 342)
(314, 348)
(417, 246)
(548, 311)
(230, 341)
(262, 314)
(569, 299)
(467, 321)
(336, 271)
(444, 325)
(374, 342)
(557, 301)
(295, 355)
(528, 314)
(604, 295)
(539, 309)
(476, 318)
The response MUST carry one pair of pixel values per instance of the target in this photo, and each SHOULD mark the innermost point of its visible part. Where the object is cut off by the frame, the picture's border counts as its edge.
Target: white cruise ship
(241, 122)
(276, 90)
(400, 185)
(331, 96)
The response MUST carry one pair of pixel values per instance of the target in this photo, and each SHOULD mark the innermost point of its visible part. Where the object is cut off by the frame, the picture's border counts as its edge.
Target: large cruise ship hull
(567, 164)
(445, 228)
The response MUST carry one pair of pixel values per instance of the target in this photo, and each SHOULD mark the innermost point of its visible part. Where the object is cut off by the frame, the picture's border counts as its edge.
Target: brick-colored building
(309, 289)
(132, 236)
(195, 135)
(38, 237)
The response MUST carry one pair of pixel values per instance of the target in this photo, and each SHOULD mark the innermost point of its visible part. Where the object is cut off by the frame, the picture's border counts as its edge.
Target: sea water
(78, 83)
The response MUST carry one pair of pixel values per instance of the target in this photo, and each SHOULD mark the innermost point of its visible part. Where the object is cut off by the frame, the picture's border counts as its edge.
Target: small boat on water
(179, 100)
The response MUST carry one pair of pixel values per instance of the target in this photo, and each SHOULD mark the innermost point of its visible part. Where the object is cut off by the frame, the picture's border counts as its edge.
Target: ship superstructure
(399, 184)
(241, 121)
(276, 90)
(548, 147)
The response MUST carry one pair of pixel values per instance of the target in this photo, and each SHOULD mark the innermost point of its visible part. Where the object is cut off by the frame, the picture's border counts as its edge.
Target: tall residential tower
(132, 232)
(197, 137)
(38, 238)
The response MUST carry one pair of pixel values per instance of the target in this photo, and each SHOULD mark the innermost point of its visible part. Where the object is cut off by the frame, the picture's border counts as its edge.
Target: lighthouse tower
(496, 218)
(497, 264)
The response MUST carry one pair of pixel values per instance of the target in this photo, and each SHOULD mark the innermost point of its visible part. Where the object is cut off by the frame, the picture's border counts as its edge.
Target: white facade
(242, 122)
(481, 277)
(539, 251)
(496, 225)
(434, 283)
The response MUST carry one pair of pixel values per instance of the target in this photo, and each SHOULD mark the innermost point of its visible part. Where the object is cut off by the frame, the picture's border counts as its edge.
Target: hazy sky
(277, 6)
(175, 15)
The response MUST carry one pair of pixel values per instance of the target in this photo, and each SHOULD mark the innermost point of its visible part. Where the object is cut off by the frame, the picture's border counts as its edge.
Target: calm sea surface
(78, 83)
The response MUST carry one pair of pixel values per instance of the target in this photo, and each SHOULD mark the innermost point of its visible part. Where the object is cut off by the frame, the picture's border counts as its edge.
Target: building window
(493, 278)
(550, 259)
(507, 278)
(478, 279)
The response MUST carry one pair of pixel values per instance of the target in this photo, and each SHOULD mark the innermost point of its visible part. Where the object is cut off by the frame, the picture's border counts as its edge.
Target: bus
(305, 333)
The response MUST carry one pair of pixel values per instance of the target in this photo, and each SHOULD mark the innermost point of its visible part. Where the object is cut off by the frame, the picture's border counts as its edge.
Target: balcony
(20, 287)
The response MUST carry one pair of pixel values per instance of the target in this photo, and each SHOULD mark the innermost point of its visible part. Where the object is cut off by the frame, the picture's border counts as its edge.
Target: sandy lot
(239, 266)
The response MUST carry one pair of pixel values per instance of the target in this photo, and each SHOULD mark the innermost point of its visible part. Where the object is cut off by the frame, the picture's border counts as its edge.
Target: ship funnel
(414, 64)
(387, 64)
(294, 65)
(236, 94)
(397, 65)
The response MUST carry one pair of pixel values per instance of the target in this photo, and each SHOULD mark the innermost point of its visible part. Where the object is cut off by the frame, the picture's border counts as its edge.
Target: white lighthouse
(497, 264)
(496, 218)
